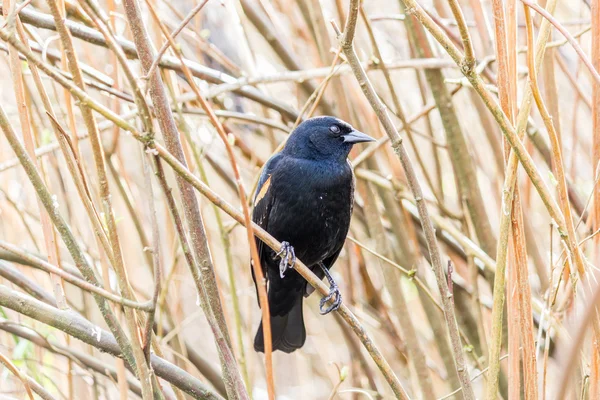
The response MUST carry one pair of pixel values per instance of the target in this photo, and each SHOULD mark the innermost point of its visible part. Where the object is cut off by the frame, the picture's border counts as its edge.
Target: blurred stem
(226, 249)
(543, 148)
(459, 153)
(556, 148)
(356, 353)
(127, 199)
(261, 286)
(67, 237)
(149, 388)
(432, 310)
(71, 157)
(548, 16)
(398, 109)
(313, 14)
(25, 380)
(475, 302)
(506, 50)
(28, 138)
(204, 277)
(393, 285)
(23, 217)
(176, 32)
(525, 313)
(283, 50)
(595, 54)
(491, 132)
(557, 158)
(346, 41)
(435, 150)
(595, 14)
(507, 208)
(78, 327)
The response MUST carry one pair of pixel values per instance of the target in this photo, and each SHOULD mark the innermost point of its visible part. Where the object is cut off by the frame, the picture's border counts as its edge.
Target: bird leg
(288, 258)
(334, 290)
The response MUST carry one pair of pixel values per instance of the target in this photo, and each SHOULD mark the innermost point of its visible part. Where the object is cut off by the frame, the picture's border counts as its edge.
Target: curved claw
(288, 258)
(334, 292)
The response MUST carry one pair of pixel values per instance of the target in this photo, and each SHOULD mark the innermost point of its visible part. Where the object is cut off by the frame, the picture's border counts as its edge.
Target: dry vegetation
(469, 271)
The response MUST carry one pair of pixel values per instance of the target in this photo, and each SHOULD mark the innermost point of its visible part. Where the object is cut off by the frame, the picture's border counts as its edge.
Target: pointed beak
(357, 137)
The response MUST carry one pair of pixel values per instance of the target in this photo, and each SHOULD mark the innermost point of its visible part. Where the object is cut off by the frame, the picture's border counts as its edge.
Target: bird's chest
(330, 208)
(315, 214)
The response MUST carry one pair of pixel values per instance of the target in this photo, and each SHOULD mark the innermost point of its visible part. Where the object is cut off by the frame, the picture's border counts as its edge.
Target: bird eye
(335, 129)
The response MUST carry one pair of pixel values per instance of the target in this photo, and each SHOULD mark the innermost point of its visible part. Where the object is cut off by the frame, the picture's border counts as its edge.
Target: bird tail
(287, 331)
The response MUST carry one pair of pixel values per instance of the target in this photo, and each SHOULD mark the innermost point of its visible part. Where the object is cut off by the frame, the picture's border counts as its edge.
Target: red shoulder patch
(263, 190)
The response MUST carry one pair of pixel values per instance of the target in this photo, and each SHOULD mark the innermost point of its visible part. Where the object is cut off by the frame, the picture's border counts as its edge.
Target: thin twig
(45, 266)
(12, 368)
(347, 42)
(262, 284)
(567, 35)
(75, 325)
(174, 34)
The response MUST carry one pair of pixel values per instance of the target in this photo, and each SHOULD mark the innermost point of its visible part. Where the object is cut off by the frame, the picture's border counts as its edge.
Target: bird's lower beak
(357, 137)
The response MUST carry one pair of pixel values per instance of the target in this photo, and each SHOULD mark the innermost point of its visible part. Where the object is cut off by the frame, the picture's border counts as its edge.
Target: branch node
(467, 65)
(410, 11)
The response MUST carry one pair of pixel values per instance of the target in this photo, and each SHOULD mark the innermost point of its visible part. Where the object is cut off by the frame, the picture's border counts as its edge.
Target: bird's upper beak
(357, 137)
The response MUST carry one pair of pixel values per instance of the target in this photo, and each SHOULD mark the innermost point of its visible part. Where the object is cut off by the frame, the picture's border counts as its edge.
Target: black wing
(263, 202)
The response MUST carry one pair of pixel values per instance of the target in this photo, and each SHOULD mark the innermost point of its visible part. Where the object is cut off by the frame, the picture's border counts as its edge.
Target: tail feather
(287, 331)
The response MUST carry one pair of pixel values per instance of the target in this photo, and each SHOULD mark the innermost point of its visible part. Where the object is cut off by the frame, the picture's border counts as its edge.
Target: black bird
(304, 199)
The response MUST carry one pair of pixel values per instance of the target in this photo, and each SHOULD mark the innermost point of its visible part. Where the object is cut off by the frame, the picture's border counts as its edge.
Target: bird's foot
(288, 258)
(334, 293)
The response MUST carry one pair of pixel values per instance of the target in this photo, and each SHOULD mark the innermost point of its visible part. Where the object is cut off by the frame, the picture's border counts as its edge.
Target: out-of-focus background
(264, 66)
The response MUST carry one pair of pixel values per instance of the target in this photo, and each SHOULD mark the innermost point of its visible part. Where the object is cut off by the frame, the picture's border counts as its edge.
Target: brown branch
(174, 34)
(48, 231)
(256, 264)
(66, 235)
(283, 50)
(469, 61)
(83, 285)
(12, 274)
(23, 378)
(148, 385)
(463, 164)
(79, 357)
(505, 125)
(347, 42)
(78, 327)
(567, 35)
(89, 35)
(202, 272)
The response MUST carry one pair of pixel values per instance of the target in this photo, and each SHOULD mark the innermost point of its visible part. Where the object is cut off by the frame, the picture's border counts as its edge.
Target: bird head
(324, 138)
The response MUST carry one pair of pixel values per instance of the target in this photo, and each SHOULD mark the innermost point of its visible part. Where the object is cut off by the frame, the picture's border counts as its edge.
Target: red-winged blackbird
(304, 199)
